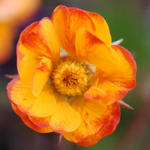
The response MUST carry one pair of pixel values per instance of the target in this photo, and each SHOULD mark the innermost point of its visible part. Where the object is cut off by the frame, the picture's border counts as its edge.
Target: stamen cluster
(71, 77)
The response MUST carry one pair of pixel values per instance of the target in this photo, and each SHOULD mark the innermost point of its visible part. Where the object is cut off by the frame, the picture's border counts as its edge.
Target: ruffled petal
(29, 123)
(17, 93)
(72, 19)
(91, 49)
(39, 39)
(106, 91)
(95, 117)
(108, 129)
(36, 42)
(116, 68)
(66, 22)
(66, 118)
(101, 28)
(39, 69)
(55, 111)
(30, 43)
(21, 95)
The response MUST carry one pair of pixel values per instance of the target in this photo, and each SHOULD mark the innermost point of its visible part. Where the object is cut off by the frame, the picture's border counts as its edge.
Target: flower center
(71, 77)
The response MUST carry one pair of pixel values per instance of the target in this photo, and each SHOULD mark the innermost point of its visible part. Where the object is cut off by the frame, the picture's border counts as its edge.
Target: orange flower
(12, 14)
(17, 11)
(64, 94)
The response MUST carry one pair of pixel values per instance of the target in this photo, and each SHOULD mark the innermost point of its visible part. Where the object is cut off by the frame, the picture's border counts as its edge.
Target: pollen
(71, 77)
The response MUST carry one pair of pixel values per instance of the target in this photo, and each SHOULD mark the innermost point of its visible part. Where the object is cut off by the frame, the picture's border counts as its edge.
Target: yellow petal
(101, 27)
(48, 33)
(37, 41)
(116, 68)
(30, 43)
(65, 119)
(45, 103)
(25, 118)
(21, 94)
(28, 52)
(114, 118)
(91, 49)
(72, 19)
(66, 22)
(41, 76)
(26, 68)
(94, 118)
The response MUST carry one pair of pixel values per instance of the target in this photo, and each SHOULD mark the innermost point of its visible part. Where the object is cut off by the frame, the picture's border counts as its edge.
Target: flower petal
(66, 22)
(95, 117)
(41, 76)
(116, 68)
(49, 36)
(72, 19)
(37, 41)
(47, 104)
(91, 49)
(17, 93)
(102, 29)
(26, 68)
(39, 38)
(21, 94)
(65, 119)
(107, 92)
(30, 43)
(110, 127)
(28, 122)
(40, 122)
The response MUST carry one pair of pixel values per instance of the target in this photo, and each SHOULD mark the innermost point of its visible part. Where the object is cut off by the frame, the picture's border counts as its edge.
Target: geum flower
(63, 94)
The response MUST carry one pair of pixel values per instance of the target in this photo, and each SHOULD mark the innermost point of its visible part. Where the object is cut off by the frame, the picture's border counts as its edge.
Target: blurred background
(130, 20)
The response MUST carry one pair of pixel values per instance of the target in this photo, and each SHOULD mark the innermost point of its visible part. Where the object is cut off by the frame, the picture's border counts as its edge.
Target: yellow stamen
(71, 77)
